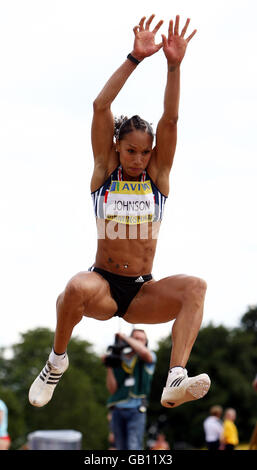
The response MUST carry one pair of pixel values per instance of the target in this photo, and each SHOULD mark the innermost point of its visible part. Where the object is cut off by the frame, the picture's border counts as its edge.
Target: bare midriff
(124, 249)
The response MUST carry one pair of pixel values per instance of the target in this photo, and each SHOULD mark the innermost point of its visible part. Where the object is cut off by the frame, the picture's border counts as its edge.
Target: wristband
(133, 59)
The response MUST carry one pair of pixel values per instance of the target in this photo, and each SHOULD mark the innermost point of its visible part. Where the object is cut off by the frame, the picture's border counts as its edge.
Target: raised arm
(174, 48)
(103, 122)
(140, 349)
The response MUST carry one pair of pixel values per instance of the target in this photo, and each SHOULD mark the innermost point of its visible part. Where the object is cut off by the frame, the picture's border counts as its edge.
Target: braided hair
(123, 126)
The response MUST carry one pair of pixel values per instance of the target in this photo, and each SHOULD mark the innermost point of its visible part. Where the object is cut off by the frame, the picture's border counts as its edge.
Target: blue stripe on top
(98, 196)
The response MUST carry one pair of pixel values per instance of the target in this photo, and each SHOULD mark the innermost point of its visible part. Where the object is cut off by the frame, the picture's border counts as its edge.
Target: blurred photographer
(130, 369)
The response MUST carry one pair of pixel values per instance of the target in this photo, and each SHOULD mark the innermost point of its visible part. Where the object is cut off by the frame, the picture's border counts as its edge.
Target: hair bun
(118, 121)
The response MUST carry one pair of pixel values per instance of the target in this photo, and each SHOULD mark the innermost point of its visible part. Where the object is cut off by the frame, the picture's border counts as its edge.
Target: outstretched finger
(183, 32)
(170, 32)
(141, 23)
(147, 25)
(157, 27)
(176, 28)
(191, 35)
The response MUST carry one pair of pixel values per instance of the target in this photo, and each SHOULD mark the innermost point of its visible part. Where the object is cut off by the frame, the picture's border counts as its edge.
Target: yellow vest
(230, 433)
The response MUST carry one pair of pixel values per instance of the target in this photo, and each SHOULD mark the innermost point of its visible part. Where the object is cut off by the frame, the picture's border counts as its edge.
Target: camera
(115, 351)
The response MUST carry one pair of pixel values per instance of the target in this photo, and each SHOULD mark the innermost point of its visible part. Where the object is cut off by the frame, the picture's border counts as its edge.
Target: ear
(117, 145)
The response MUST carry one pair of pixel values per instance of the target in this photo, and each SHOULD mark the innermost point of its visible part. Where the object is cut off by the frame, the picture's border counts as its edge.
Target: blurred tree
(249, 320)
(229, 356)
(79, 401)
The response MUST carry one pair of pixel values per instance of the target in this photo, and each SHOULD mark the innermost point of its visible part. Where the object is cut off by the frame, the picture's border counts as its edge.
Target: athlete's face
(135, 152)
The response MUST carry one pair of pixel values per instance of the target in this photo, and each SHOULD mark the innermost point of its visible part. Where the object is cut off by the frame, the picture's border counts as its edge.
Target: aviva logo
(131, 187)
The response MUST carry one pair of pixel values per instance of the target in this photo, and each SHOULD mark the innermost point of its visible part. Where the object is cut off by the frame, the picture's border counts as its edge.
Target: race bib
(129, 202)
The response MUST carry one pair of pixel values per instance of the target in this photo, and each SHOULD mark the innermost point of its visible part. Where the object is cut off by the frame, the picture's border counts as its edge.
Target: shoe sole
(194, 391)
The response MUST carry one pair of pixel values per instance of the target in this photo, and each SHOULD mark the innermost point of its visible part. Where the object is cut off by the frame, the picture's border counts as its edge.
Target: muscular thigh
(92, 292)
(158, 301)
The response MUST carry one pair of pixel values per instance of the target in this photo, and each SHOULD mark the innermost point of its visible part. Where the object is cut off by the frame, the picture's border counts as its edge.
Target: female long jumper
(129, 186)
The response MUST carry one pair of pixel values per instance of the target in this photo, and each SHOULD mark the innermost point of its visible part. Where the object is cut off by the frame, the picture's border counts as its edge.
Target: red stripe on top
(143, 176)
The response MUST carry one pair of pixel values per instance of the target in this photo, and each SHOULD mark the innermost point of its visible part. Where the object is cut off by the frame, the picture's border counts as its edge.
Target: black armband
(133, 59)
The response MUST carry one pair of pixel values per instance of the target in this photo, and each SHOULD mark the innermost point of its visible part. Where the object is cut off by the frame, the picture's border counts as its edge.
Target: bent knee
(78, 287)
(59, 299)
(195, 289)
(74, 287)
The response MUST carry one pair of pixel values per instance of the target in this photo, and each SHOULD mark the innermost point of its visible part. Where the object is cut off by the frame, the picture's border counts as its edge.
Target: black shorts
(123, 288)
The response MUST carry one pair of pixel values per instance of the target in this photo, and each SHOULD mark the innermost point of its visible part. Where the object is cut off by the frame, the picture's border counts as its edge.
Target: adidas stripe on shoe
(180, 388)
(42, 389)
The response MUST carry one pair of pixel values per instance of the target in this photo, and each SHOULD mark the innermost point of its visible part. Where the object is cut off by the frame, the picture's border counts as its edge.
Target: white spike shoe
(181, 388)
(42, 389)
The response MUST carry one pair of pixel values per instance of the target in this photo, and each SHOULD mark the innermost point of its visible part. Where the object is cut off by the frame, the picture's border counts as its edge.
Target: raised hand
(174, 47)
(144, 44)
